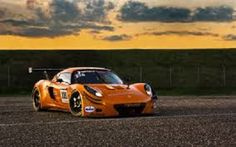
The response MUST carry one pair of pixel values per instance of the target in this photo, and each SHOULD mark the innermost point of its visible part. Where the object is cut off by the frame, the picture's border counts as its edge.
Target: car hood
(120, 93)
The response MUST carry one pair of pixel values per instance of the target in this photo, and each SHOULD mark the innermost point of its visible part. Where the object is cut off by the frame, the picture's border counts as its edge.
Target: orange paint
(114, 98)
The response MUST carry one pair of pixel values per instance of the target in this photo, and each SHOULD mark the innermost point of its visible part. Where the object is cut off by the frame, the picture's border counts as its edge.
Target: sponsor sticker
(64, 98)
(89, 109)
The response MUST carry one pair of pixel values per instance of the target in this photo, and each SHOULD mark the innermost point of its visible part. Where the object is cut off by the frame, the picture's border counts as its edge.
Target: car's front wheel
(36, 100)
(76, 104)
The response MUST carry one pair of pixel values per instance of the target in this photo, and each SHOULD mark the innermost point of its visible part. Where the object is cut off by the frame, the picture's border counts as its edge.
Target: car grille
(129, 109)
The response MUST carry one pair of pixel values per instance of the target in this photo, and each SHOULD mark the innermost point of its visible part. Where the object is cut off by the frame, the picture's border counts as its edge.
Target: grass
(161, 92)
(193, 72)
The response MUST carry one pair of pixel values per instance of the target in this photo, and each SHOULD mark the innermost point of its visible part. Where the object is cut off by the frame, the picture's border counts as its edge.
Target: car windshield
(95, 77)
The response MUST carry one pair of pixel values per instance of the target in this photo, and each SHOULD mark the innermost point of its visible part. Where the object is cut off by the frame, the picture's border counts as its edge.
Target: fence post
(8, 77)
(140, 74)
(170, 73)
(224, 76)
(198, 74)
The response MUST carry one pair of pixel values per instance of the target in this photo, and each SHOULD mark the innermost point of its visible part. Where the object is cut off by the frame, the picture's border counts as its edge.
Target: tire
(75, 104)
(36, 100)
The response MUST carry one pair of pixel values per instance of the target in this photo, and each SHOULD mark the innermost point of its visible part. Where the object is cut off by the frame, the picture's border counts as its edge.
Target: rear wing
(44, 70)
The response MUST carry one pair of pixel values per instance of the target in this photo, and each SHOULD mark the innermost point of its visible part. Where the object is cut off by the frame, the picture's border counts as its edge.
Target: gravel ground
(179, 121)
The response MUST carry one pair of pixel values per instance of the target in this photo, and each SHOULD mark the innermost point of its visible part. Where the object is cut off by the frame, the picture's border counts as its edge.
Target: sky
(112, 24)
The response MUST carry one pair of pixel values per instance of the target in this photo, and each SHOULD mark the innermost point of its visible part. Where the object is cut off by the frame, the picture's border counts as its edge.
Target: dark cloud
(35, 32)
(181, 33)
(64, 18)
(221, 13)
(15, 22)
(2, 13)
(44, 32)
(54, 30)
(138, 11)
(95, 32)
(99, 28)
(96, 10)
(64, 11)
(230, 37)
(121, 37)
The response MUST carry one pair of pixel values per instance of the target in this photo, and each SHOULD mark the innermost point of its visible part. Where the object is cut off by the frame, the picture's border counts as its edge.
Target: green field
(171, 72)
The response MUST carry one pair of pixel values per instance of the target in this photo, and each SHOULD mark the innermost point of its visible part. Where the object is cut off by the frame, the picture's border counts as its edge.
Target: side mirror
(59, 80)
(127, 80)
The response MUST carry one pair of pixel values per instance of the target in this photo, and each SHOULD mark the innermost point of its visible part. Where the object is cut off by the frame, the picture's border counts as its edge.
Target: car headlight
(148, 90)
(93, 91)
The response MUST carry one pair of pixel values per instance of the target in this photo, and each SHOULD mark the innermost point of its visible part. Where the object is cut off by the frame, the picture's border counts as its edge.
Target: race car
(92, 92)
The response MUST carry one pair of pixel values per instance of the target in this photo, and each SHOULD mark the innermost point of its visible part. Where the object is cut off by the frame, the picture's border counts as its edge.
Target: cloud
(96, 10)
(221, 13)
(64, 11)
(86, 10)
(55, 30)
(15, 22)
(181, 33)
(121, 37)
(230, 37)
(95, 32)
(44, 32)
(99, 28)
(2, 13)
(138, 11)
(62, 18)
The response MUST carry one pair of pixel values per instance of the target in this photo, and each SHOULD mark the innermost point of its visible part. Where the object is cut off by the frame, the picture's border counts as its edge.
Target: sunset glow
(113, 30)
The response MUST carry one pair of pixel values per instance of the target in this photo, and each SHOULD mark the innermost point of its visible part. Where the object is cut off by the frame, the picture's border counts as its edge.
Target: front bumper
(123, 109)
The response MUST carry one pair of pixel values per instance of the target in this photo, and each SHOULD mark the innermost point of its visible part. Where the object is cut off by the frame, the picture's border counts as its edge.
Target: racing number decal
(64, 98)
(63, 94)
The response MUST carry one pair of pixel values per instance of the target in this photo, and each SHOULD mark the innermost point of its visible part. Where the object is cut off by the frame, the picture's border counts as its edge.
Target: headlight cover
(93, 91)
(148, 90)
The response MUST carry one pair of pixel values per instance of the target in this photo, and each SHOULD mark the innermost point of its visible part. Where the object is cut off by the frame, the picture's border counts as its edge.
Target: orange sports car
(92, 92)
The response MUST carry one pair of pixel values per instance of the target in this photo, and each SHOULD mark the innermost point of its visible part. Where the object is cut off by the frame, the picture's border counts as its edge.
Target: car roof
(72, 69)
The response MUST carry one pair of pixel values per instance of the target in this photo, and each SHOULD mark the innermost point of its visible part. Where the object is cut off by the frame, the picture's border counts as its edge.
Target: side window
(66, 77)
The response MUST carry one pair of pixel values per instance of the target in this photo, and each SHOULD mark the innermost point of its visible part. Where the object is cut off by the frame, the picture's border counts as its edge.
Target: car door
(60, 89)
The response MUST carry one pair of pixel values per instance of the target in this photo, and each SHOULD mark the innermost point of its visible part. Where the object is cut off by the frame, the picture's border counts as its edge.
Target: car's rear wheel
(36, 100)
(76, 104)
